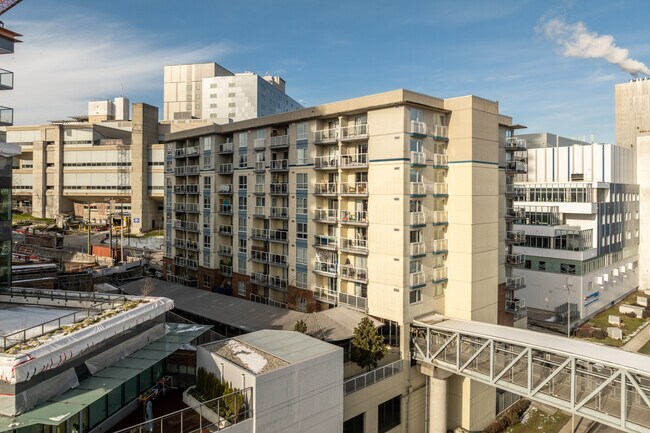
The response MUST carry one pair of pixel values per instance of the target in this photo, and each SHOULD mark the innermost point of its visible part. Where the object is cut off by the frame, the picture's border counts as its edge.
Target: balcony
(279, 142)
(179, 153)
(325, 242)
(326, 295)
(225, 270)
(192, 264)
(280, 165)
(192, 151)
(515, 282)
(440, 160)
(354, 245)
(259, 256)
(192, 245)
(259, 278)
(325, 268)
(515, 192)
(6, 79)
(418, 128)
(515, 259)
(279, 188)
(439, 131)
(366, 379)
(225, 169)
(179, 243)
(259, 166)
(179, 261)
(352, 301)
(225, 189)
(354, 160)
(225, 209)
(354, 188)
(418, 189)
(186, 207)
(440, 217)
(515, 237)
(440, 246)
(325, 215)
(260, 234)
(354, 273)
(279, 212)
(326, 162)
(514, 305)
(278, 283)
(417, 279)
(279, 260)
(190, 226)
(186, 189)
(225, 148)
(515, 144)
(259, 143)
(325, 188)
(439, 275)
(418, 159)
(517, 213)
(516, 167)
(417, 219)
(326, 136)
(259, 211)
(192, 170)
(225, 230)
(354, 132)
(354, 217)
(225, 250)
(280, 236)
(417, 249)
(180, 171)
(440, 189)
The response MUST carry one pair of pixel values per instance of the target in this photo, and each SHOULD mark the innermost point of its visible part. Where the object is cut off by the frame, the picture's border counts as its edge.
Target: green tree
(300, 326)
(368, 346)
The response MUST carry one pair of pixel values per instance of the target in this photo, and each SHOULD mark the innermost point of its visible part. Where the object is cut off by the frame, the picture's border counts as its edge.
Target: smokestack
(577, 41)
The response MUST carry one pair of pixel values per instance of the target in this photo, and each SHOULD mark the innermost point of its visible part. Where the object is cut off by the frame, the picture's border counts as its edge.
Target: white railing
(354, 272)
(259, 166)
(259, 233)
(192, 151)
(325, 267)
(439, 274)
(225, 188)
(418, 158)
(366, 379)
(325, 188)
(326, 135)
(278, 235)
(418, 188)
(515, 143)
(440, 160)
(440, 188)
(180, 171)
(352, 301)
(259, 210)
(225, 168)
(259, 278)
(417, 279)
(325, 295)
(418, 127)
(417, 218)
(360, 245)
(326, 215)
(516, 236)
(259, 256)
(417, 248)
(440, 131)
(354, 188)
(280, 164)
(279, 188)
(354, 131)
(259, 143)
(440, 245)
(192, 170)
(225, 250)
(225, 230)
(354, 160)
(440, 217)
(225, 148)
(278, 283)
(278, 259)
(279, 141)
(279, 212)
(326, 162)
(259, 188)
(325, 241)
(354, 216)
(515, 282)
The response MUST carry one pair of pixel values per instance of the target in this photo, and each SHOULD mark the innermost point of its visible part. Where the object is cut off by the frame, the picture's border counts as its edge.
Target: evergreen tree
(300, 326)
(368, 346)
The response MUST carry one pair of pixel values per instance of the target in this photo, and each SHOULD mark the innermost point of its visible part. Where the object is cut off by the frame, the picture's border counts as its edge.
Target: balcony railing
(327, 268)
(325, 215)
(224, 169)
(225, 250)
(418, 188)
(440, 160)
(225, 148)
(417, 218)
(515, 305)
(278, 236)
(325, 241)
(179, 153)
(192, 264)
(419, 128)
(278, 283)
(440, 217)
(225, 209)
(225, 270)
(280, 165)
(186, 207)
(259, 211)
(354, 132)
(180, 171)
(439, 275)
(354, 188)
(259, 234)
(440, 246)
(192, 151)
(516, 144)
(326, 135)
(259, 166)
(259, 256)
(6, 79)
(259, 189)
(225, 189)
(418, 158)
(354, 273)
(327, 162)
(279, 259)
(353, 217)
(417, 249)
(280, 212)
(192, 170)
(279, 141)
(516, 167)
(354, 160)
(225, 230)
(439, 131)
(515, 213)
(366, 379)
(417, 279)
(279, 188)
(325, 188)
(515, 236)
(515, 191)
(515, 282)
(515, 259)
(440, 189)
(326, 295)
(352, 301)
(259, 143)
(354, 245)
(259, 278)
(192, 245)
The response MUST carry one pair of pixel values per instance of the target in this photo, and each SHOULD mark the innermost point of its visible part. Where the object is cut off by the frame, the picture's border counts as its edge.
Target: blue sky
(76, 50)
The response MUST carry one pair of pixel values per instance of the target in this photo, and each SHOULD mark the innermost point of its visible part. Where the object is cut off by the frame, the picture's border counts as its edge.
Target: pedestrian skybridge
(597, 382)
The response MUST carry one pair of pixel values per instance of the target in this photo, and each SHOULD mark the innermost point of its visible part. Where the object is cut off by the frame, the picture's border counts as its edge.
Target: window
(541, 266)
(241, 266)
(206, 241)
(415, 296)
(301, 156)
(243, 139)
(242, 246)
(231, 94)
(301, 255)
(566, 268)
(301, 205)
(243, 160)
(241, 288)
(207, 182)
(243, 180)
(439, 289)
(189, 87)
(241, 223)
(243, 204)
(207, 163)
(301, 181)
(302, 131)
(206, 281)
(260, 133)
(388, 414)
(301, 280)
(206, 202)
(301, 230)
(354, 425)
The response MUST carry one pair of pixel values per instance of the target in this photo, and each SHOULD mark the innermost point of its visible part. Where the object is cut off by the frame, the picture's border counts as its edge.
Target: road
(79, 240)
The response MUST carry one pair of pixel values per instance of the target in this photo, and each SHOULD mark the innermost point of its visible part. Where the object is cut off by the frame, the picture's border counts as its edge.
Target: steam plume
(578, 41)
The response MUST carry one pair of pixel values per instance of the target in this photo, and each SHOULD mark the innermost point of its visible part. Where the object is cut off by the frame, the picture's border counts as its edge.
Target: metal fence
(366, 379)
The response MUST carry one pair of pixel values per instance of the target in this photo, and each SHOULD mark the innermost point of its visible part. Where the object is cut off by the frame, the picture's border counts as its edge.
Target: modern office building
(209, 91)
(632, 111)
(577, 210)
(643, 178)
(389, 203)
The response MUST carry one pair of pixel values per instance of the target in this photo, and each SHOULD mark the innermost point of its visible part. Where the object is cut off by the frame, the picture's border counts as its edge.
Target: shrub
(508, 418)
(599, 334)
(630, 315)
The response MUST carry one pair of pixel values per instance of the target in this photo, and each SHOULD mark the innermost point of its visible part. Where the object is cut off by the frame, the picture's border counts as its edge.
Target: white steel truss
(612, 393)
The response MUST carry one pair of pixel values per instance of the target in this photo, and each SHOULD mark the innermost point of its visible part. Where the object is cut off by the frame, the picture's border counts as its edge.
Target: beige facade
(388, 203)
(632, 111)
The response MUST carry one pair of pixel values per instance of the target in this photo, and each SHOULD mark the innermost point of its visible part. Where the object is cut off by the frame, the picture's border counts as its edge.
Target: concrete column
(437, 405)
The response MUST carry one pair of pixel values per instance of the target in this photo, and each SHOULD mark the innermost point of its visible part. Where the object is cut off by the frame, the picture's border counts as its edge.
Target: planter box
(205, 412)
(626, 308)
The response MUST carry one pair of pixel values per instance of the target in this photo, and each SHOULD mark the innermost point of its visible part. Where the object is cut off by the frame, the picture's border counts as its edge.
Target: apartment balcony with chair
(440, 189)
(224, 169)
(418, 159)
(353, 301)
(325, 188)
(279, 212)
(417, 219)
(418, 128)
(225, 270)
(352, 245)
(327, 269)
(440, 160)
(354, 160)
(259, 278)
(515, 282)
(418, 189)
(280, 165)
(354, 188)
(326, 136)
(278, 236)
(354, 217)
(279, 260)
(354, 273)
(325, 242)
(515, 259)
(417, 279)
(259, 211)
(259, 234)
(440, 217)
(417, 249)
(225, 209)
(439, 275)
(354, 132)
(326, 215)
(440, 246)
(225, 250)
(326, 162)
(225, 230)
(279, 142)
(278, 283)
(326, 295)
(279, 189)
(259, 143)
(225, 189)
(515, 144)
(225, 148)
(515, 237)
(259, 256)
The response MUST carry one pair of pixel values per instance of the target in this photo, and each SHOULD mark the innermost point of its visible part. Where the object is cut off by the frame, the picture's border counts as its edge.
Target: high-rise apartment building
(577, 210)
(209, 91)
(632, 111)
(388, 203)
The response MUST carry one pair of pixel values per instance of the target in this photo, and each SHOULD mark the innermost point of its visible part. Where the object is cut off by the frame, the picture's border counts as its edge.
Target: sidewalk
(638, 340)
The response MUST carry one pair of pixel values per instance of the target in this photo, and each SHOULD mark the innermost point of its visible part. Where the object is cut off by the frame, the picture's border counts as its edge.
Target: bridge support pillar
(437, 398)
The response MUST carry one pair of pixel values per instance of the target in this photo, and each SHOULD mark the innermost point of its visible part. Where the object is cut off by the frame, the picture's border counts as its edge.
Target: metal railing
(279, 212)
(329, 268)
(325, 188)
(356, 245)
(225, 188)
(326, 215)
(260, 234)
(366, 379)
(325, 295)
(440, 216)
(417, 218)
(515, 236)
(225, 230)
(259, 256)
(278, 236)
(259, 278)
(417, 248)
(354, 273)
(279, 141)
(278, 283)
(327, 162)
(440, 188)
(325, 241)
(259, 143)
(354, 131)
(280, 188)
(439, 274)
(440, 160)
(418, 127)
(417, 279)
(225, 148)
(514, 143)
(225, 169)
(225, 250)
(418, 158)
(280, 165)
(353, 301)
(440, 245)
(354, 216)
(6, 79)
(354, 160)
(418, 188)
(326, 135)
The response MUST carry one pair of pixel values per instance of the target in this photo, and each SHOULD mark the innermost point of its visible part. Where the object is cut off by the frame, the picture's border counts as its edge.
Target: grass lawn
(28, 217)
(630, 324)
(536, 421)
(151, 234)
(645, 349)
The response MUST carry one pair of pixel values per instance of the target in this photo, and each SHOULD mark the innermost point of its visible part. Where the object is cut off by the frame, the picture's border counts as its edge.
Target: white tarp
(11, 405)
(62, 348)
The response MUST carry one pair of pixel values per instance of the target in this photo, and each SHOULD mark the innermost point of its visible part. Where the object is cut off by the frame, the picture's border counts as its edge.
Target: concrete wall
(643, 162)
(632, 111)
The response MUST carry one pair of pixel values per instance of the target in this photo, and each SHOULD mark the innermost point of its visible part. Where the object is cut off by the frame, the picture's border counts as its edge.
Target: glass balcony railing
(515, 236)
(354, 160)
(440, 246)
(439, 275)
(326, 295)
(418, 128)
(280, 165)
(225, 148)
(417, 279)
(440, 160)
(259, 256)
(354, 273)
(417, 249)
(515, 259)
(515, 144)
(515, 282)
(325, 188)
(418, 158)
(326, 268)
(279, 141)
(440, 189)
(326, 135)
(325, 241)
(259, 143)
(280, 212)
(225, 189)
(280, 236)
(417, 218)
(354, 188)
(327, 162)
(224, 169)
(325, 215)
(440, 217)
(259, 234)
(354, 132)
(353, 217)
(354, 245)
(418, 188)
(6, 79)
(279, 188)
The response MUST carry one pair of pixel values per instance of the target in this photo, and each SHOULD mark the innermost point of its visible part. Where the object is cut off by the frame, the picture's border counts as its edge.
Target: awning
(64, 406)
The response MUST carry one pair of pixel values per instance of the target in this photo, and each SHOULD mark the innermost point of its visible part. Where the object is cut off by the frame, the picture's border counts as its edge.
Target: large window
(388, 414)
(354, 425)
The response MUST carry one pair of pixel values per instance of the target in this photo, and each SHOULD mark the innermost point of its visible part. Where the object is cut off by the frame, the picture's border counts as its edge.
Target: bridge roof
(594, 352)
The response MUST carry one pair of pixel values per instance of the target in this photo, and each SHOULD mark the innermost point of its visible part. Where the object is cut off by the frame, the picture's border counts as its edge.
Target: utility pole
(110, 228)
(122, 231)
(88, 204)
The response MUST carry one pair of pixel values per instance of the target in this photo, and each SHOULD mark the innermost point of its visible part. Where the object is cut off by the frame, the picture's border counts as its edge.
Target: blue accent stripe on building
(390, 160)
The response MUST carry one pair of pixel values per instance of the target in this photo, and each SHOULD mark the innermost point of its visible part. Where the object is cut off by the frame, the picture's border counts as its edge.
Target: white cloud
(64, 62)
